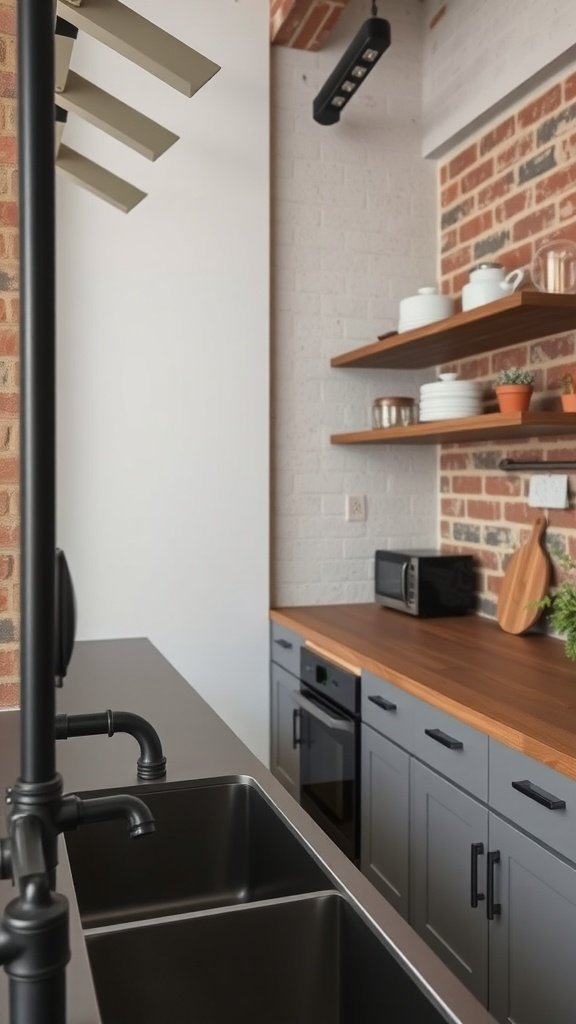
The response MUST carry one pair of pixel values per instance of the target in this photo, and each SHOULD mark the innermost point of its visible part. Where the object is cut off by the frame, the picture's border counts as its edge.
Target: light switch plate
(548, 491)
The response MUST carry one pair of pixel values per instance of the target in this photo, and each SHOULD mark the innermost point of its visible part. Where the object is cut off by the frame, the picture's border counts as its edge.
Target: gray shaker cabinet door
(385, 817)
(284, 730)
(447, 827)
(533, 939)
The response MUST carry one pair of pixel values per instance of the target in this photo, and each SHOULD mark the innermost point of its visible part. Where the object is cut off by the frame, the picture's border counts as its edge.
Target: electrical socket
(355, 508)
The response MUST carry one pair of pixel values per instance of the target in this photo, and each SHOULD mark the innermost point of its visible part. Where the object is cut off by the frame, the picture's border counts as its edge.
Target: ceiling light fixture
(363, 53)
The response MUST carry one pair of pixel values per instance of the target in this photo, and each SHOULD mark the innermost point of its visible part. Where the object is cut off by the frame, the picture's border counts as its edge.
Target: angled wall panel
(98, 180)
(142, 42)
(115, 117)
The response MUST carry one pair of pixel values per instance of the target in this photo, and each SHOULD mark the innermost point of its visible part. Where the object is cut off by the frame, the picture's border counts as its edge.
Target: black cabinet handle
(296, 738)
(527, 788)
(285, 644)
(444, 739)
(476, 850)
(492, 908)
(386, 705)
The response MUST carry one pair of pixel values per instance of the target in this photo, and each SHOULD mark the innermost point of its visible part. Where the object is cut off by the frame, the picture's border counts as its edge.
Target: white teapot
(487, 283)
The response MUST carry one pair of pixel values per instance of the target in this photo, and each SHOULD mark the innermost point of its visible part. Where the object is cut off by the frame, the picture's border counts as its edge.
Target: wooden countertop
(521, 690)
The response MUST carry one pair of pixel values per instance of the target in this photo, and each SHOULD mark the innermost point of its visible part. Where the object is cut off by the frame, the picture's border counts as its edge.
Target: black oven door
(329, 782)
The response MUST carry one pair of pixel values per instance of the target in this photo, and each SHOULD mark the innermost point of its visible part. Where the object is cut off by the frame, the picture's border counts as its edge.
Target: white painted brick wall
(481, 52)
(354, 231)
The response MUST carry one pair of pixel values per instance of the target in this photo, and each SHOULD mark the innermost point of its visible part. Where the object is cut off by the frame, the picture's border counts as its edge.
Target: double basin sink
(224, 915)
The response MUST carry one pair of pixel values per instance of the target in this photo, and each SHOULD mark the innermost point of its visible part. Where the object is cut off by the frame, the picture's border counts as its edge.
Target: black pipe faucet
(150, 765)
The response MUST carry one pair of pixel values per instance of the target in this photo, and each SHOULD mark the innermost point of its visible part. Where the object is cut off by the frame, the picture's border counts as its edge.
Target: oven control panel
(331, 681)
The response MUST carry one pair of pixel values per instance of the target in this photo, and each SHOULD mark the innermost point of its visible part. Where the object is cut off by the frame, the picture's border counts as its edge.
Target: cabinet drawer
(285, 648)
(388, 709)
(537, 804)
(452, 748)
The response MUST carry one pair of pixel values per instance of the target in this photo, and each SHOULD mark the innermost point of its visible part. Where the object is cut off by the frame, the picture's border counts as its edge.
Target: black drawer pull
(492, 908)
(285, 644)
(386, 705)
(527, 788)
(477, 850)
(444, 739)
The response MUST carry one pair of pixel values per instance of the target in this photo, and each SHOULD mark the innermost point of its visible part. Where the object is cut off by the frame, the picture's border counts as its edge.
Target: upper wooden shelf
(495, 426)
(522, 316)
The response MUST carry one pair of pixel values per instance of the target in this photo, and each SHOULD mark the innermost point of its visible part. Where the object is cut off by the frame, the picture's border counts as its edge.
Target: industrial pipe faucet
(34, 929)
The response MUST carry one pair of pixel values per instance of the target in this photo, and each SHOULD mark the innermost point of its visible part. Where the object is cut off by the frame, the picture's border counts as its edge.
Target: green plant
(514, 375)
(561, 605)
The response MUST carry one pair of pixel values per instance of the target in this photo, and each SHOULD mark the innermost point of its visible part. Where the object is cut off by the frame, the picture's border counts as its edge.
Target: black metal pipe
(43, 1002)
(75, 811)
(512, 466)
(150, 765)
(37, 417)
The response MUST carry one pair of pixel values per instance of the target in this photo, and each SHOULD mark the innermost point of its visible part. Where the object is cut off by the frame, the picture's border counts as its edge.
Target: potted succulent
(568, 396)
(514, 389)
(560, 606)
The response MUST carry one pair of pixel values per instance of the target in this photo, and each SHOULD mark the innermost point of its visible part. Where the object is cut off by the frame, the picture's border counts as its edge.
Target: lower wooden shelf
(494, 426)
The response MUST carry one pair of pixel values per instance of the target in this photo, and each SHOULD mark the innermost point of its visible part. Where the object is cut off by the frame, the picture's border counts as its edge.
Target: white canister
(424, 308)
(489, 282)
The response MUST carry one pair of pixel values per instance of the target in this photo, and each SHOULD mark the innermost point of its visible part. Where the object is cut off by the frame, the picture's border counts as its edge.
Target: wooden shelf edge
(476, 428)
(395, 351)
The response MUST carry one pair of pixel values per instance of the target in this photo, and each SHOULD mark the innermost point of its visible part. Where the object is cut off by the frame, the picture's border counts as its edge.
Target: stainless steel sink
(305, 960)
(215, 845)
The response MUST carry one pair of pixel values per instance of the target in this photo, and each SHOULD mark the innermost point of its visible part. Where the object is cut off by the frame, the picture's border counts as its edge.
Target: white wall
(479, 56)
(353, 232)
(163, 367)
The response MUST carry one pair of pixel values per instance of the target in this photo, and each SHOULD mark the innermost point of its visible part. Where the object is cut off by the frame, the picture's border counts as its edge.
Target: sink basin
(216, 845)
(305, 960)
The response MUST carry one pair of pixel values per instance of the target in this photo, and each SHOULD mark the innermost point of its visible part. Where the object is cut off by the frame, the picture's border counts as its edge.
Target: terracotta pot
(514, 397)
(568, 403)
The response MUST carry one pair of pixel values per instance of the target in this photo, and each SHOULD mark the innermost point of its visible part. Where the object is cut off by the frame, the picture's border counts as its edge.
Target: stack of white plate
(450, 400)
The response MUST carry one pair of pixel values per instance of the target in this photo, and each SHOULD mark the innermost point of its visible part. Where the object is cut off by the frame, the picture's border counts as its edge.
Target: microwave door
(392, 582)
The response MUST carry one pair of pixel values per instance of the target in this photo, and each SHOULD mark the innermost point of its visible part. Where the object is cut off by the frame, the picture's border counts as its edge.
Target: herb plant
(514, 375)
(561, 606)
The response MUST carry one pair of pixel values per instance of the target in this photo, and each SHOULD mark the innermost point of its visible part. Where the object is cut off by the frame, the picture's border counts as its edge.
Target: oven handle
(308, 705)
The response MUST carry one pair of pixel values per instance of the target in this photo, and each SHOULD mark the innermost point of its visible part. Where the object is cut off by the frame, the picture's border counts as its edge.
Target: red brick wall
(303, 24)
(508, 190)
(9, 525)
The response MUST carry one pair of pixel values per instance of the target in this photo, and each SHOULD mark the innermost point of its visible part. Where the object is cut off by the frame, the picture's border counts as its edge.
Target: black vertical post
(37, 417)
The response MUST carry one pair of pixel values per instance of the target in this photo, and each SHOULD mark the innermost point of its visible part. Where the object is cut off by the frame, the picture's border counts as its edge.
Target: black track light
(363, 53)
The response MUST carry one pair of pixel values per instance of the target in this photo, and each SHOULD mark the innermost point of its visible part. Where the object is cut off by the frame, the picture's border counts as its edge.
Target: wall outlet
(355, 508)
(548, 491)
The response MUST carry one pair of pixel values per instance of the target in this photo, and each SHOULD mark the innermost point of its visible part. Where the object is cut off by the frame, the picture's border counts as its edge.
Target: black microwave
(424, 583)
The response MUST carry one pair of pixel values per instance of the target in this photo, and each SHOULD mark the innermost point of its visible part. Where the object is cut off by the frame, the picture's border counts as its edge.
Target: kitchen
(326, 299)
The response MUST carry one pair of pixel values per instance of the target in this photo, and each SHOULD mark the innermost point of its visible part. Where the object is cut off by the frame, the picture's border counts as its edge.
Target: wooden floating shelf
(494, 426)
(522, 316)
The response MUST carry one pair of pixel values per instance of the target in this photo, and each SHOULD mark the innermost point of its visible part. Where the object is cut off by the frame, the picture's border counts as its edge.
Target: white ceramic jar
(424, 308)
(487, 283)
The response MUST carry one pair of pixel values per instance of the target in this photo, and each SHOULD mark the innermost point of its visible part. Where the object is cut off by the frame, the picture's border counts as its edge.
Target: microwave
(424, 583)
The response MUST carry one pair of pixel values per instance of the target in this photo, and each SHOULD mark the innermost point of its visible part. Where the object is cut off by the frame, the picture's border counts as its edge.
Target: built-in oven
(328, 734)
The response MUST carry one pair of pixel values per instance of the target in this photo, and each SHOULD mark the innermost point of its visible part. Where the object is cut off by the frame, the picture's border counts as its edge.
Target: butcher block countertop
(521, 690)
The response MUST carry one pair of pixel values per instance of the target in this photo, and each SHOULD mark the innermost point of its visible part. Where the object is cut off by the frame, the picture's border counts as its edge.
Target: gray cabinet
(532, 940)
(284, 731)
(449, 840)
(385, 817)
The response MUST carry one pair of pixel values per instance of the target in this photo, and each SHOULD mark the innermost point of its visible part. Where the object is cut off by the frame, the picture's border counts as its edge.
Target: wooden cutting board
(526, 579)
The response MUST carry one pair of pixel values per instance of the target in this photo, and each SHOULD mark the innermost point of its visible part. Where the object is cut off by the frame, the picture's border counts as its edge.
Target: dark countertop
(132, 675)
(520, 690)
